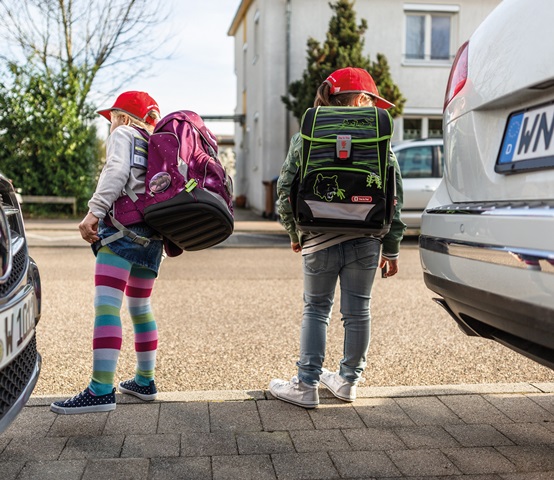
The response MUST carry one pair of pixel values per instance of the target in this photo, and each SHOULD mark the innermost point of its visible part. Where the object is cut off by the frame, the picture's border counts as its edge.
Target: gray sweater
(117, 174)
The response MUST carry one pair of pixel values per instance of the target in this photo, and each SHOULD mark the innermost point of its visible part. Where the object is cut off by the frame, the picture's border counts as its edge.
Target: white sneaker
(338, 386)
(295, 392)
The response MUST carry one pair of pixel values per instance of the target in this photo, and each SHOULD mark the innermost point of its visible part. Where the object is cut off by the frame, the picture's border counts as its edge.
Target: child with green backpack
(330, 254)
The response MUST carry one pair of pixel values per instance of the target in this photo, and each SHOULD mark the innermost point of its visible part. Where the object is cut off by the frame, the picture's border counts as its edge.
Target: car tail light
(458, 74)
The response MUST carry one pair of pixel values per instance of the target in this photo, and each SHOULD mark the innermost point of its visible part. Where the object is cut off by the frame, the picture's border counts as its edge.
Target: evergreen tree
(343, 47)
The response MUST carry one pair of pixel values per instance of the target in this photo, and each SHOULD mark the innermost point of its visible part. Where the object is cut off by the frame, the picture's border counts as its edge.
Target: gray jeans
(354, 263)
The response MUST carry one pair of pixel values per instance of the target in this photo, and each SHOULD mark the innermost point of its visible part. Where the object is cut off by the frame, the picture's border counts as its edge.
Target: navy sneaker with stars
(131, 387)
(85, 402)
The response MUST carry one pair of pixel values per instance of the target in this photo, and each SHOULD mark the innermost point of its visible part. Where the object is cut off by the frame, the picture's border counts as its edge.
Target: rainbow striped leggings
(115, 277)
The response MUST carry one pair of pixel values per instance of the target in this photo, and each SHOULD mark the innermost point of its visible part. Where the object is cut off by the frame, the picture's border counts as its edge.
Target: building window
(429, 32)
(435, 128)
(421, 127)
(412, 128)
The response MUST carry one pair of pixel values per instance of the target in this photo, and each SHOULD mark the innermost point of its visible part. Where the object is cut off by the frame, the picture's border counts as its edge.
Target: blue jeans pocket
(316, 262)
(367, 252)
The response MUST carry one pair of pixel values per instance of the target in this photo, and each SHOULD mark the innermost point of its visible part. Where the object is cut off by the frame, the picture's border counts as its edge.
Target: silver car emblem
(5, 248)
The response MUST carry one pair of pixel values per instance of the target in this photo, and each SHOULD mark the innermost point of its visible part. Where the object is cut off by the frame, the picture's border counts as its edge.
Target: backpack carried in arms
(345, 183)
(188, 194)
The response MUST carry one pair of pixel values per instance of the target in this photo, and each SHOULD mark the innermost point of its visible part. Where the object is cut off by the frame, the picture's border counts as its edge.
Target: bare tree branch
(83, 39)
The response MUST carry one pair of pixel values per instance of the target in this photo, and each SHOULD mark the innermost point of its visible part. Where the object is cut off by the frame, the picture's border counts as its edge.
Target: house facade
(419, 40)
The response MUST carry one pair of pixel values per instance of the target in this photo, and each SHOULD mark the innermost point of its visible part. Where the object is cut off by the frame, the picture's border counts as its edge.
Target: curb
(363, 392)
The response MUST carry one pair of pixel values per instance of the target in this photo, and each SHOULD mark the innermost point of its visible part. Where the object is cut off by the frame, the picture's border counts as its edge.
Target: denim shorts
(149, 257)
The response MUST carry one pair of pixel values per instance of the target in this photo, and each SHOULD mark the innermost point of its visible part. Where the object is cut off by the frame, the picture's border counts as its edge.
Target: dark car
(20, 306)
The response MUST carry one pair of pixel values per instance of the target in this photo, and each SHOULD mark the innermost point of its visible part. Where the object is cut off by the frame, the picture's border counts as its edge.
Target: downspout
(287, 70)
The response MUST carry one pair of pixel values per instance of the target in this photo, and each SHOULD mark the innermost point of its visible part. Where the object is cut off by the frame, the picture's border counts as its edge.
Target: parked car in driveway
(20, 307)
(420, 163)
(487, 236)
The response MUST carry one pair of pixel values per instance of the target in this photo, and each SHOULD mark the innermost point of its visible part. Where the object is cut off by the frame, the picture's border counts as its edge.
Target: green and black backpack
(345, 183)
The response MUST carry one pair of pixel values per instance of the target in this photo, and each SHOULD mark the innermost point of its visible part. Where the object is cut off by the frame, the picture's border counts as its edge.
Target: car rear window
(416, 162)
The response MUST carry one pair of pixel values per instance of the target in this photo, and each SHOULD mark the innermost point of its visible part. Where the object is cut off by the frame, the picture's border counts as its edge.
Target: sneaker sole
(288, 400)
(78, 410)
(142, 396)
(340, 397)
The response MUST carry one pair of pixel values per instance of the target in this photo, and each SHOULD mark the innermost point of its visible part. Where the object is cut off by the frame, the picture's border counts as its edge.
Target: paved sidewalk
(478, 432)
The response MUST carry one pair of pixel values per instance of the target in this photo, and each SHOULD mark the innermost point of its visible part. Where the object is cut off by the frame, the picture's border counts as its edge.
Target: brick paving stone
(134, 419)
(424, 462)
(256, 443)
(381, 412)
(477, 460)
(11, 470)
(31, 421)
(198, 468)
(334, 415)
(427, 411)
(151, 446)
(29, 449)
(319, 441)
(234, 416)
(4, 443)
(107, 446)
(545, 401)
(527, 476)
(426, 436)
(87, 424)
(117, 469)
(304, 466)
(473, 409)
(243, 467)
(364, 464)
(183, 417)
(477, 435)
(520, 408)
(62, 470)
(278, 415)
(526, 433)
(208, 444)
(536, 458)
(373, 439)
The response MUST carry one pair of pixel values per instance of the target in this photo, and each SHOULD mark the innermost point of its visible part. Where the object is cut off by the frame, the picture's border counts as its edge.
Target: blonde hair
(127, 119)
(324, 98)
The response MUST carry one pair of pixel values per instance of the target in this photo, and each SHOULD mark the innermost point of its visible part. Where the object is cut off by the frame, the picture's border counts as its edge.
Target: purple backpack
(188, 194)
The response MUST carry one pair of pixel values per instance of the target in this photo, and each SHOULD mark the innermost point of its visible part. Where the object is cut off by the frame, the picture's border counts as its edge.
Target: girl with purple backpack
(127, 267)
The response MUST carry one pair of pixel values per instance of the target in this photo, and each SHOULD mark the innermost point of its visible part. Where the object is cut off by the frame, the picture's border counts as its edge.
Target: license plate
(528, 142)
(16, 328)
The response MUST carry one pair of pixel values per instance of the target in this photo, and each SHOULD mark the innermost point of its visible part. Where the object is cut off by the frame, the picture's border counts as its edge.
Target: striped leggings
(115, 277)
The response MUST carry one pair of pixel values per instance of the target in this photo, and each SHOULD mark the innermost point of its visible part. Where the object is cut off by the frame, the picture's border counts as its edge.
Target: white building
(419, 40)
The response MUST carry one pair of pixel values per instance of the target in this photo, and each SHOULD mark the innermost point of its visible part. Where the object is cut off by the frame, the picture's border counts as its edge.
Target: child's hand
(89, 228)
(392, 266)
(295, 247)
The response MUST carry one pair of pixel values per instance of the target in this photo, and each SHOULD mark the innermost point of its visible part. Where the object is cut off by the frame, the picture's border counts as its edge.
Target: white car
(420, 163)
(487, 236)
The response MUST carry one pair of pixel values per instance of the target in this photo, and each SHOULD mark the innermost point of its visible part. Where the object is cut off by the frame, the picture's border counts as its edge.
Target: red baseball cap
(355, 80)
(136, 104)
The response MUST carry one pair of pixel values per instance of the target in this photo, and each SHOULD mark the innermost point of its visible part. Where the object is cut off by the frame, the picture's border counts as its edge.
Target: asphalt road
(229, 318)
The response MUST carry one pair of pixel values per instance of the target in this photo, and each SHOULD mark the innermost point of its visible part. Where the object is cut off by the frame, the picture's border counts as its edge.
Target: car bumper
(493, 266)
(16, 407)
